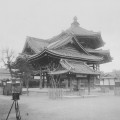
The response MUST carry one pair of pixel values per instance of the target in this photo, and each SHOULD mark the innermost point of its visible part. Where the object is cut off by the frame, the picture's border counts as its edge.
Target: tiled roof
(77, 67)
(77, 30)
(64, 41)
(105, 53)
(58, 72)
(58, 37)
(97, 51)
(72, 52)
(108, 76)
(67, 52)
(36, 44)
(60, 49)
(60, 42)
(56, 45)
(74, 67)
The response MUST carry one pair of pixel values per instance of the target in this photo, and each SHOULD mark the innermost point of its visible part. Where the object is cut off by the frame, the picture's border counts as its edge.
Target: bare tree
(116, 73)
(7, 58)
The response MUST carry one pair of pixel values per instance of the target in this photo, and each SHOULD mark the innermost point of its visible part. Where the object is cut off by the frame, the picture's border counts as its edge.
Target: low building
(4, 74)
(108, 81)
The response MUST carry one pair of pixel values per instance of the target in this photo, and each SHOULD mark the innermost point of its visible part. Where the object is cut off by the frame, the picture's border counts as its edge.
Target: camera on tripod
(15, 92)
(15, 96)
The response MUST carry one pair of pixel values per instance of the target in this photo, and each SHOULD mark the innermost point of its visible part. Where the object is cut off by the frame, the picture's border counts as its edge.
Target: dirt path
(97, 108)
(5, 105)
(39, 107)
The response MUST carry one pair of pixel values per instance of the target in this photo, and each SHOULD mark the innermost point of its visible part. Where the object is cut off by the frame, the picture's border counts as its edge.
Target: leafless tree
(116, 73)
(7, 57)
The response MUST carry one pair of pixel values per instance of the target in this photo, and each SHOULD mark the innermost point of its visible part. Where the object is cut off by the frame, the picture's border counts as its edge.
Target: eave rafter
(47, 52)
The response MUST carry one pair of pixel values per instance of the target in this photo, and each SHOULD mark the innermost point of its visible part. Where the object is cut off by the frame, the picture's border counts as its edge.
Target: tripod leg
(10, 110)
(18, 117)
(18, 111)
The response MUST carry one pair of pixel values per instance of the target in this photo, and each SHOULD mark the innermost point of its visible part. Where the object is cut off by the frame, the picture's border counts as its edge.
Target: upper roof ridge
(37, 39)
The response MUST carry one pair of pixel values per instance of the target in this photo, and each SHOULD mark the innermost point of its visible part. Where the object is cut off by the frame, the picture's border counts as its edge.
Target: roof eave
(60, 56)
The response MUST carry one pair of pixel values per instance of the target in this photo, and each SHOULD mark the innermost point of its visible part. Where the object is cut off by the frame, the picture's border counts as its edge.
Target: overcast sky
(47, 18)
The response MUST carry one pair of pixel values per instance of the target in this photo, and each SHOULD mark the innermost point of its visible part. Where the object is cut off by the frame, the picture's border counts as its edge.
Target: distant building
(4, 74)
(108, 80)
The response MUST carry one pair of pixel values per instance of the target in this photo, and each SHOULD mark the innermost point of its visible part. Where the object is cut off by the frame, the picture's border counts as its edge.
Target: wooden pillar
(48, 80)
(88, 77)
(109, 83)
(51, 81)
(58, 81)
(67, 85)
(40, 85)
(43, 80)
(98, 67)
(93, 66)
(70, 81)
(103, 82)
(77, 83)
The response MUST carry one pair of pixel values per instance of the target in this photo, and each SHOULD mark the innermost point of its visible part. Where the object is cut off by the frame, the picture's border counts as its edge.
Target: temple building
(70, 59)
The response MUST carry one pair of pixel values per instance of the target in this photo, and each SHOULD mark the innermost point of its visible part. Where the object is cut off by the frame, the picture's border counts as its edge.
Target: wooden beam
(40, 85)
(88, 77)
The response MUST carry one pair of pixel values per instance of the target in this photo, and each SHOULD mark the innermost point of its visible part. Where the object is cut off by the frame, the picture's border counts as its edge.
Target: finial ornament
(75, 18)
(75, 22)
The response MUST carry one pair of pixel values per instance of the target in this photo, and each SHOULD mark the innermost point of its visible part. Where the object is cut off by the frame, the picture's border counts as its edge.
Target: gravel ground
(5, 105)
(40, 107)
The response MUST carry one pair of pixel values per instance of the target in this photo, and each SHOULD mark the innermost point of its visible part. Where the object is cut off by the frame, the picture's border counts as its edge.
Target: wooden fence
(55, 93)
(58, 93)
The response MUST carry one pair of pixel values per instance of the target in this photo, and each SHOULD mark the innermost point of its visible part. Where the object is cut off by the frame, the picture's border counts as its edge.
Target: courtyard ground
(37, 106)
